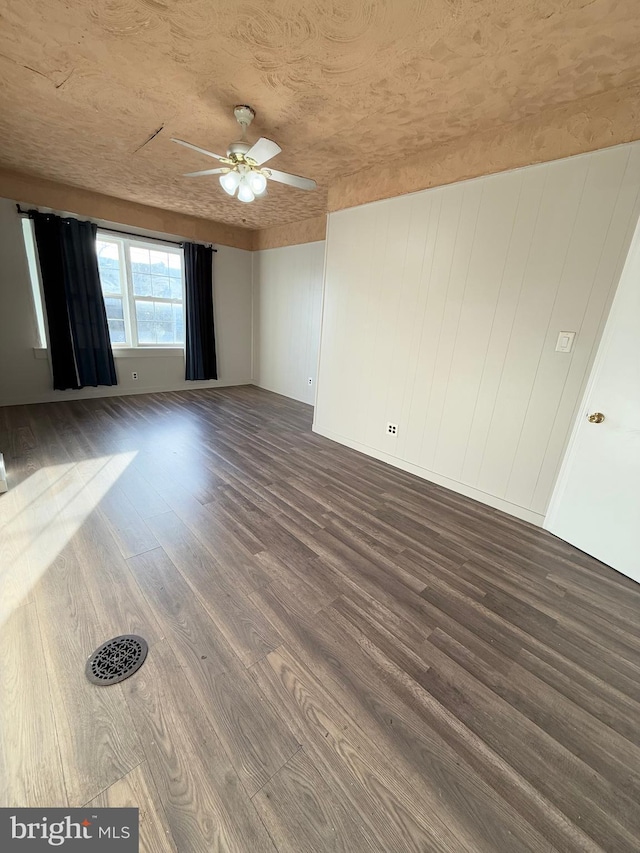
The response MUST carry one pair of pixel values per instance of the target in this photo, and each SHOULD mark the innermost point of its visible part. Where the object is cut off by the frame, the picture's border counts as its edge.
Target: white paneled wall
(441, 314)
(287, 293)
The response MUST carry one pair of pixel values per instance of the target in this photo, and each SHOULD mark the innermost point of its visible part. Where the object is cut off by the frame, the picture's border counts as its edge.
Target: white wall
(441, 314)
(26, 379)
(287, 296)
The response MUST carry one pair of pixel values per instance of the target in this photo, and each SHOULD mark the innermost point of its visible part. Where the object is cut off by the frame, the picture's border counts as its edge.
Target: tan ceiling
(339, 85)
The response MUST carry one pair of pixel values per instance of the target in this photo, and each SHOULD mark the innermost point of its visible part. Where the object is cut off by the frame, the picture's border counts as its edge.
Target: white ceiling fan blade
(195, 148)
(263, 150)
(291, 180)
(205, 172)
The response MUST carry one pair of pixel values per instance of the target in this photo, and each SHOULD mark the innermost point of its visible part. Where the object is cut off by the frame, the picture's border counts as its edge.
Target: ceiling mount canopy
(241, 171)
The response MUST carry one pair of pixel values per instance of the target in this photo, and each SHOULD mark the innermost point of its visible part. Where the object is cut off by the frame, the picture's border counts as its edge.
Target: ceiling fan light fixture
(229, 182)
(243, 171)
(245, 193)
(257, 182)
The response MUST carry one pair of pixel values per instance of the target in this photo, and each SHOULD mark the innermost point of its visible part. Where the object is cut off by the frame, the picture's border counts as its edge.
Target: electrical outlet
(392, 429)
(310, 381)
(134, 374)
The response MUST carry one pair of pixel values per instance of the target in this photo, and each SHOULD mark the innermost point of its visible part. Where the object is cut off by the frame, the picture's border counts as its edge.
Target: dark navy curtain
(200, 338)
(79, 343)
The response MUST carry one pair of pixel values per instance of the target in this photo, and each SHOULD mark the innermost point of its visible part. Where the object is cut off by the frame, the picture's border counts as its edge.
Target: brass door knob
(596, 418)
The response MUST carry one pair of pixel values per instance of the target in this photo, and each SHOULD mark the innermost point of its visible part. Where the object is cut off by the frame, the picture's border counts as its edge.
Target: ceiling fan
(242, 170)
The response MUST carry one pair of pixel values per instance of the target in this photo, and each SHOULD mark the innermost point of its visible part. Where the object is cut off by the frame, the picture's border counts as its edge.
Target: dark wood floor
(342, 657)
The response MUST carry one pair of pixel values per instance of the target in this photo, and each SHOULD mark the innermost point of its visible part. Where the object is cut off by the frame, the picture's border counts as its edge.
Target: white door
(596, 502)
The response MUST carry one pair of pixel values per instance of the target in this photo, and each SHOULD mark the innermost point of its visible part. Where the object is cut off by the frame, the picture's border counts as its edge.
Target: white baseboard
(281, 393)
(117, 391)
(455, 486)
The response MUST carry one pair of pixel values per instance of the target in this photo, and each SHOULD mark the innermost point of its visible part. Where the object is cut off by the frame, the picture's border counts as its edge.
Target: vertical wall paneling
(441, 314)
(287, 293)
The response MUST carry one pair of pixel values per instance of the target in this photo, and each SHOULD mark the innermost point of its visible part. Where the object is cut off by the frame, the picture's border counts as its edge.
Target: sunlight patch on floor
(40, 516)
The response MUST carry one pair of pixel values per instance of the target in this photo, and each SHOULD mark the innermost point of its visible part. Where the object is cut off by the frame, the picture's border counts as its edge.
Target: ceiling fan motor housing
(237, 150)
(244, 116)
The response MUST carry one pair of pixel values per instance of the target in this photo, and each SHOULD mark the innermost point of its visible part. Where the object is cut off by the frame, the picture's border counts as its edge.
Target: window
(142, 285)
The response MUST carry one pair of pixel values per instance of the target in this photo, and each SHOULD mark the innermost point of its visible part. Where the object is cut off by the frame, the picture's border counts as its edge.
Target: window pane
(175, 266)
(161, 286)
(116, 332)
(163, 312)
(108, 266)
(144, 311)
(164, 333)
(159, 322)
(139, 260)
(110, 279)
(178, 320)
(146, 333)
(115, 319)
(159, 263)
(141, 284)
(176, 288)
(114, 308)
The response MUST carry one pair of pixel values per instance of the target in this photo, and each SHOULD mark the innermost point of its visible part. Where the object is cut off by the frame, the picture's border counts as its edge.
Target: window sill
(147, 352)
(128, 352)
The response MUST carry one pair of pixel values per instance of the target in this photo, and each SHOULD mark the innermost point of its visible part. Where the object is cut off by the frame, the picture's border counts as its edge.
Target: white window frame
(127, 294)
(122, 294)
(126, 283)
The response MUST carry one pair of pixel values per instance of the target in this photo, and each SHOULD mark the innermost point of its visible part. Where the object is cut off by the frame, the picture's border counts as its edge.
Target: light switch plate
(565, 341)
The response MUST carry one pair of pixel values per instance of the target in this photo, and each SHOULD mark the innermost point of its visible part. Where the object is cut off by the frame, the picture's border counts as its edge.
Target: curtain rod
(129, 234)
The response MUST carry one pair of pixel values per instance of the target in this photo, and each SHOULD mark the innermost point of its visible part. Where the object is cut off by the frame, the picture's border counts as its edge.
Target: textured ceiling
(339, 85)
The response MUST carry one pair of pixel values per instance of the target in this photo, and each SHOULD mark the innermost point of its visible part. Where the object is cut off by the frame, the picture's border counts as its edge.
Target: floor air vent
(116, 659)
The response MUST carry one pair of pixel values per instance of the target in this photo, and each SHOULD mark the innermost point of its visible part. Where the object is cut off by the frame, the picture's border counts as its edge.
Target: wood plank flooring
(342, 657)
